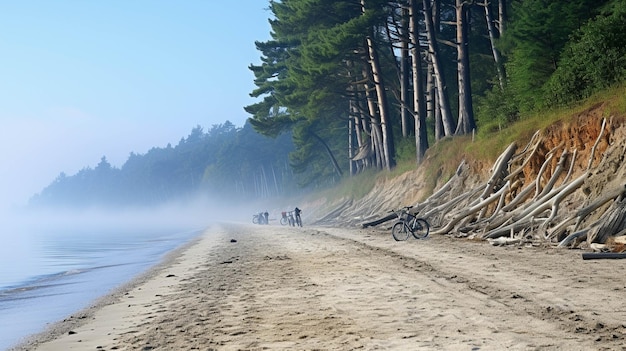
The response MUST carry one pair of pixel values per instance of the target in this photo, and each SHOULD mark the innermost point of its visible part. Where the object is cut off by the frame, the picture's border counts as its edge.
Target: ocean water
(54, 265)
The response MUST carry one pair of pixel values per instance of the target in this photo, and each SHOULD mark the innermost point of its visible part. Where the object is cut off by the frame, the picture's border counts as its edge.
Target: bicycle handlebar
(406, 208)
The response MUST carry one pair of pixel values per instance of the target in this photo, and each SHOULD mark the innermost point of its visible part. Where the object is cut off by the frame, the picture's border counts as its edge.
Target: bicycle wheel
(421, 228)
(283, 221)
(255, 220)
(400, 231)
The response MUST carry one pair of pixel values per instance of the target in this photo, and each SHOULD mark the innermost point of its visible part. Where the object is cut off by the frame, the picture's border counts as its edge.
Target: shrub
(594, 59)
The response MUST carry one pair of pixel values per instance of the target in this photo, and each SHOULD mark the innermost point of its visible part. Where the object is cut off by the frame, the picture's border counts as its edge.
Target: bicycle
(284, 220)
(259, 218)
(409, 223)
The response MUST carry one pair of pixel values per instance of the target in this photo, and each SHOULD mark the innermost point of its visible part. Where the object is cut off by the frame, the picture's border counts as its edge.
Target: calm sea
(54, 265)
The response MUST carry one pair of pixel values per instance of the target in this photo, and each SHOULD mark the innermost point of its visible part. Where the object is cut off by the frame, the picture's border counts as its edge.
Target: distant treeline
(225, 161)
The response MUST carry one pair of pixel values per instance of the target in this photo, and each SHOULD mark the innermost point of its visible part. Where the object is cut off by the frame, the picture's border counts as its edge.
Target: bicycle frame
(411, 220)
(409, 224)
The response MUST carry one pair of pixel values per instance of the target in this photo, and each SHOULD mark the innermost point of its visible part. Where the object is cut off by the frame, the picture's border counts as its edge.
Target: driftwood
(603, 255)
(595, 145)
(613, 223)
(554, 205)
(334, 213)
(379, 221)
(581, 214)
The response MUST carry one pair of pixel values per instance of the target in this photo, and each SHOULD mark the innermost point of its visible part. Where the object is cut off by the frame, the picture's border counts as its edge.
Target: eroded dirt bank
(550, 187)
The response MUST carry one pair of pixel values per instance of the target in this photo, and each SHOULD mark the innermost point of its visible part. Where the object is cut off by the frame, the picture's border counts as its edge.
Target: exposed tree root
(552, 204)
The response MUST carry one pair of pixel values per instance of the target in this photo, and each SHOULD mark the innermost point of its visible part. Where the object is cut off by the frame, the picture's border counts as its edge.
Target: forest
(225, 162)
(346, 86)
(364, 83)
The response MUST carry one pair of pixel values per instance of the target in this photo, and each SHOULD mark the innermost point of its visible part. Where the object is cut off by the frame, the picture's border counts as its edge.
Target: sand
(245, 287)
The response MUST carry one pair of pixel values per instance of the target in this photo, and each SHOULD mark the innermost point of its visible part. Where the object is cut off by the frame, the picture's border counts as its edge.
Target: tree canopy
(355, 79)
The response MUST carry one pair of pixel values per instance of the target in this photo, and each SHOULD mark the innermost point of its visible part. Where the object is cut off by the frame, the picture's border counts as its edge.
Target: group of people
(292, 218)
(288, 218)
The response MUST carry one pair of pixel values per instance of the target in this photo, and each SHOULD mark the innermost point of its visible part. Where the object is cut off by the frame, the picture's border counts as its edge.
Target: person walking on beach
(298, 218)
(266, 215)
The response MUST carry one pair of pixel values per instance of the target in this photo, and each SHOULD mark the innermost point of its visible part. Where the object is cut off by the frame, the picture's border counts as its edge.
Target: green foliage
(495, 110)
(538, 33)
(482, 65)
(594, 59)
(303, 81)
(311, 160)
(617, 100)
(405, 150)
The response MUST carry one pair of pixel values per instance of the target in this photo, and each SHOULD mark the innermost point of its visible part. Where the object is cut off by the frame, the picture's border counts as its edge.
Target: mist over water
(36, 241)
(55, 262)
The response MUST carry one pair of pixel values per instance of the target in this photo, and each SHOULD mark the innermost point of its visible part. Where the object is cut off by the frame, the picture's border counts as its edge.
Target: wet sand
(244, 287)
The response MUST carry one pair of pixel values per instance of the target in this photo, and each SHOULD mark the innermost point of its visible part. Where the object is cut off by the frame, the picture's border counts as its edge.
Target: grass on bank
(489, 145)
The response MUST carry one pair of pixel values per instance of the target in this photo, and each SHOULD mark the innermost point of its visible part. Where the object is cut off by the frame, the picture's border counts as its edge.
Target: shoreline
(83, 316)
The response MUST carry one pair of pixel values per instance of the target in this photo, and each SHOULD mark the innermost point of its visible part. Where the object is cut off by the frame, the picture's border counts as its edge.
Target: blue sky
(84, 79)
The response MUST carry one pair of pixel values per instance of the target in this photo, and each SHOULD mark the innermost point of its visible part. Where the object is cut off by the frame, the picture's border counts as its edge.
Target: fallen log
(379, 221)
(603, 255)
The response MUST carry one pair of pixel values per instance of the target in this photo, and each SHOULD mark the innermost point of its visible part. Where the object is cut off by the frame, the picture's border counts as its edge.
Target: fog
(189, 214)
(33, 239)
(34, 151)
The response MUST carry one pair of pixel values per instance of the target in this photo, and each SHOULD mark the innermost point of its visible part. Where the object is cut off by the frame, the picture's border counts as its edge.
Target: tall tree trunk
(375, 125)
(276, 187)
(383, 110)
(432, 107)
(331, 156)
(502, 17)
(356, 116)
(439, 132)
(492, 40)
(442, 91)
(404, 72)
(381, 96)
(265, 188)
(365, 122)
(419, 105)
(351, 131)
(465, 121)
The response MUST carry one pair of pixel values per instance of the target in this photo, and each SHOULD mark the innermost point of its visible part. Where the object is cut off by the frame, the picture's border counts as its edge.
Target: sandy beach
(245, 287)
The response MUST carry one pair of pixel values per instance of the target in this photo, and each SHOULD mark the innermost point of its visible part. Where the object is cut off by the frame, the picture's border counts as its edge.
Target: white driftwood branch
(495, 196)
(595, 145)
